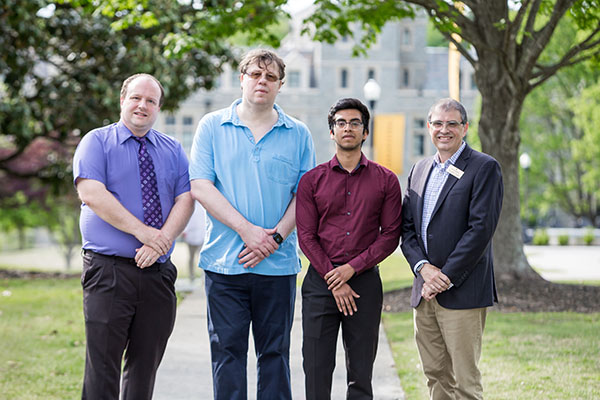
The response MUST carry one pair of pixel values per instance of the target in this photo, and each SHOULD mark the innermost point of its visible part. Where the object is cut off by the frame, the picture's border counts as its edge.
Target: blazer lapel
(419, 188)
(461, 164)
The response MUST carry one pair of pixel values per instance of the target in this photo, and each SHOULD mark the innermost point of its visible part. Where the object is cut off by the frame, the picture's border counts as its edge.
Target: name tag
(455, 172)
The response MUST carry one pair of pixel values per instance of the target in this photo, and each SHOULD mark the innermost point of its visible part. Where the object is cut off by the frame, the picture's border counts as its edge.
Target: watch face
(277, 238)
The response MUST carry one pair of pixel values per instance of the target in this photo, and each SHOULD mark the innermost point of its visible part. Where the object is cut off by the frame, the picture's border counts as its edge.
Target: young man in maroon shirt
(348, 217)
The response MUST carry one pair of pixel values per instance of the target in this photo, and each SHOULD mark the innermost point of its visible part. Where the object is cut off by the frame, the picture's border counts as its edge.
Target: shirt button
(348, 213)
(347, 233)
(347, 254)
(348, 193)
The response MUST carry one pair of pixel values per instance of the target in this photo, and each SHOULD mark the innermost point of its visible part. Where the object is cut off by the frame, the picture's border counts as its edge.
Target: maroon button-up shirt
(345, 217)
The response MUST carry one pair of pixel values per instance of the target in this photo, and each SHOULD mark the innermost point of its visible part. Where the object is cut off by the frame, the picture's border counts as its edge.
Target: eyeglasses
(354, 124)
(256, 75)
(449, 124)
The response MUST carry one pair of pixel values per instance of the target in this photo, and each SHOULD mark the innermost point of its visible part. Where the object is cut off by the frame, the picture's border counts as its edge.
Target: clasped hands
(258, 245)
(155, 244)
(435, 281)
(343, 294)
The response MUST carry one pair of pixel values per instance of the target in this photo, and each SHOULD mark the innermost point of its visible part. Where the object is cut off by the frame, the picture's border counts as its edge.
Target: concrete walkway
(185, 372)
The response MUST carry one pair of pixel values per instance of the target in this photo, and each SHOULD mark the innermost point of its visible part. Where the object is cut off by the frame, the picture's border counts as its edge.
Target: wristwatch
(278, 238)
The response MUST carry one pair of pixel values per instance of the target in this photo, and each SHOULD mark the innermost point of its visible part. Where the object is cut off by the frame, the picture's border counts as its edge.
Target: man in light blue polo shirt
(245, 166)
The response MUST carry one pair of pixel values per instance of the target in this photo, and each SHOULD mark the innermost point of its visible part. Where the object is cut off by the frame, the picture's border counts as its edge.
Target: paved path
(185, 371)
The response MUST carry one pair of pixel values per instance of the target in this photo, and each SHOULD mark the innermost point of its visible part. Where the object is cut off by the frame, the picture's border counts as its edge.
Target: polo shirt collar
(232, 117)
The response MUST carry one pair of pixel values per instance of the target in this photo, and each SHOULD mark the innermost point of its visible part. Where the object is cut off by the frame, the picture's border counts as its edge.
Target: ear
(331, 135)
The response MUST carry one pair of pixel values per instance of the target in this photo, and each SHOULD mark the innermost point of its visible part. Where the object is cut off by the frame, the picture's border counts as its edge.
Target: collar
(123, 134)
(231, 116)
(364, 162)
(452, 160)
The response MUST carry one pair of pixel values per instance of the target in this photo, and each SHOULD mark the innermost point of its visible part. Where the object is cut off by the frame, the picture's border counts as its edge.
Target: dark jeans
(235, 301)
(127, 309)
(321, 322)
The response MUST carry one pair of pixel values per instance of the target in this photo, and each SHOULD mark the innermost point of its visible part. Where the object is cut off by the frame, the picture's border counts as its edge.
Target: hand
(344, 298)
(428, 292)
(259, 240)
(156, 239)
(338, 276)
(435, 278)
(249, 258)
(145, 256)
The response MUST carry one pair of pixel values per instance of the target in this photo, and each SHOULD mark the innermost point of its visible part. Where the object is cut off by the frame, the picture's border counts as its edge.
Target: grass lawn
(525, 355)
(42, 339)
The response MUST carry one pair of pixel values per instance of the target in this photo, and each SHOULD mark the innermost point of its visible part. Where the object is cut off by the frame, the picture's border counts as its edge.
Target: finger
(245, 252)
(339, 304)
(353, 304)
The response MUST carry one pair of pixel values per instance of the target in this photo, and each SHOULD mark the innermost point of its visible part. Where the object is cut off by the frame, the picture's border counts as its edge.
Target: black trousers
(127, 309)
(321, 321)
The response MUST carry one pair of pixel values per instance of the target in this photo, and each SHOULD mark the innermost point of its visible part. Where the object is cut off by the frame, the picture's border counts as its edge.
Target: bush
(588, 237)
(563, 240)
(541, 238)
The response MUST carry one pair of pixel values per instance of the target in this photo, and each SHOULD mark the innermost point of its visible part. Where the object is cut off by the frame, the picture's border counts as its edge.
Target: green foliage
(42, 336)
(435, 37)
(522, 354)
(541, 238)
(560, 136)
(395, 273)
(61, 69)
(588, 237)
(332, 21)
(563, 240)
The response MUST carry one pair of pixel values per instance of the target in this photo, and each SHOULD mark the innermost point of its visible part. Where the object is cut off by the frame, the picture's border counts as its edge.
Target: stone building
(411, 76)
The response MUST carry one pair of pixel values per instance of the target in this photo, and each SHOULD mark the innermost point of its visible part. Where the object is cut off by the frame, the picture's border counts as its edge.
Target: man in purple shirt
(134, 186)
(348, 217)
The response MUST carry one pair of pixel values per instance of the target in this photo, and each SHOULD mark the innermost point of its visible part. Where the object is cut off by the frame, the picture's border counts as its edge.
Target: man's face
(139, 106)
(260, 86)
(351, 135)
(447, 131)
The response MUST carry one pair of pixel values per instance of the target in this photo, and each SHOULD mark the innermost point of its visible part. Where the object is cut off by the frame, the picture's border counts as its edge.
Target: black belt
(124, 260)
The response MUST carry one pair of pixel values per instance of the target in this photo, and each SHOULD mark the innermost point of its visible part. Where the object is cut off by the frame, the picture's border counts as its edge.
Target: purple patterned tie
(150, 197)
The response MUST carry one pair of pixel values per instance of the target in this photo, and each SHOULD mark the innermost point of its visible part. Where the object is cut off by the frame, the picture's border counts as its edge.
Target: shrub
(541, 238)
(588, 237)
(563, 239)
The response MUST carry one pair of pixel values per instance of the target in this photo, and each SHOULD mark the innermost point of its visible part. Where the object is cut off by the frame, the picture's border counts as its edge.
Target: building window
(170, 120)
(344, 78)
(188, 137)
(406, 37)
(371, 73)
(473, 83)
(419, 145)
(405, 77)
(188, 120)
(419, 123)
(293, 80)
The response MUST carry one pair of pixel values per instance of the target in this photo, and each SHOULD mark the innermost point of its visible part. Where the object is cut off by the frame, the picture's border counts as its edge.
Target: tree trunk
(501, 108)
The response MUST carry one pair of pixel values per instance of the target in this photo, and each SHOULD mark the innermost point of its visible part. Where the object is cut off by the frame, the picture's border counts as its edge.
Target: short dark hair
(348, 103)
(262, 58)
(127, 81)
(448, 104)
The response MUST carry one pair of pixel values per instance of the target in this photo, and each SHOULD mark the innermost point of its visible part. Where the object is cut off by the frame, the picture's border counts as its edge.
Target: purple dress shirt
(345, 217)
(110, 155)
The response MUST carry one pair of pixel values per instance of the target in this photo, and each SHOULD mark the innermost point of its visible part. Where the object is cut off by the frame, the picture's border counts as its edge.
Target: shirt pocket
(281, 169)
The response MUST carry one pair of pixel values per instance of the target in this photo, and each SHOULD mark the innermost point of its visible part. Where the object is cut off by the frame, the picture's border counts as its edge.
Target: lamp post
(525, 163)
(372, 91)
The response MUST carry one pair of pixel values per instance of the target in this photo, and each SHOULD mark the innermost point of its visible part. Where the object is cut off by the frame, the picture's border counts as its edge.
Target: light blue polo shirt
(258, 179)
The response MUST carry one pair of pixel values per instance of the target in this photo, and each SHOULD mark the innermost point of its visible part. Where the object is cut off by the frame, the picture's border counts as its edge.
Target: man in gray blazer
(450, 212)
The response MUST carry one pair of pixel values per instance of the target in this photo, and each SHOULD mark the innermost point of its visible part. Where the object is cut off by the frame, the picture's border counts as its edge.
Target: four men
(348, 216)
(247, 162)
(134, 186)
